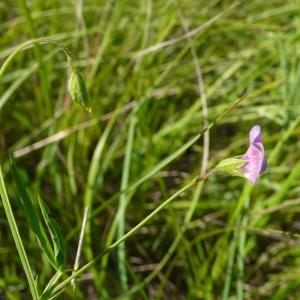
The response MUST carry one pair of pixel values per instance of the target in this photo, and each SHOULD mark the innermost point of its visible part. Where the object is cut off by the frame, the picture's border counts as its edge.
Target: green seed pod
(78, 90)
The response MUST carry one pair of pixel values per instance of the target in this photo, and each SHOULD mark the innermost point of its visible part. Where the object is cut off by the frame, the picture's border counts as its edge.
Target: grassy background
(146, 104)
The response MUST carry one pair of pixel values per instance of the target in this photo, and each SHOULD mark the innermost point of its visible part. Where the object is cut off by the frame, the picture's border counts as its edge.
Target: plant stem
(17, 238)
(81, 237)
(31, 42)
(126, 236)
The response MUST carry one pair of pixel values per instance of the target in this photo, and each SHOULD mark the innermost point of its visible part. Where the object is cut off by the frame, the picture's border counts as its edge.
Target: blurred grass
(253, 47)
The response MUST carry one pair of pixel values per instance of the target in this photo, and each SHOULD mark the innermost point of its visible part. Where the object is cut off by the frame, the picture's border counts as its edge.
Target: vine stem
(17, 238)
(127, 235)
(31, 42)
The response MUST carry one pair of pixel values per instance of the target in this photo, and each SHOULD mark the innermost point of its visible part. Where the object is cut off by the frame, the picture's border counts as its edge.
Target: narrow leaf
(32, 215)
(48, 289)
(55, 233)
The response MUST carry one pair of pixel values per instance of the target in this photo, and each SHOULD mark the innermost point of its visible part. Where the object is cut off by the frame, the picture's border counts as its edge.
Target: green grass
(147, 65)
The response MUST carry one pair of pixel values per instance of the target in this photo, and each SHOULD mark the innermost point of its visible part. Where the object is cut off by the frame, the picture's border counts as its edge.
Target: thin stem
(17, 238)
(31, 42)
(126, 236)
(81, 237)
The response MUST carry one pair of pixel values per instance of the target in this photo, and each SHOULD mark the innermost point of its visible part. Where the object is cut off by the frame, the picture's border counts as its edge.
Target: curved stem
(28, 43)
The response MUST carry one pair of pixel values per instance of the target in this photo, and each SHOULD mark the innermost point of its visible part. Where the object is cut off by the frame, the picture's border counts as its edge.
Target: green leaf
(231, 166)
(58, 242)
(32, 215)
(49, 288)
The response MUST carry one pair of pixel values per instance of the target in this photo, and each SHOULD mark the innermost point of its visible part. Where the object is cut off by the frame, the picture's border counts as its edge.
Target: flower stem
(31, 42)
(126, 236)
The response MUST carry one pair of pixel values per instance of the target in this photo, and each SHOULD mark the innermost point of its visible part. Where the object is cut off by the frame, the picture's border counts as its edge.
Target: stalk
(31, 42)
(127, 235)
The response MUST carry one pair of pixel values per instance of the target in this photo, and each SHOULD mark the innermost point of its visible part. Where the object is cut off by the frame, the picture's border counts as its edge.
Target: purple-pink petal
(256, 162)
(264, 165)
(255, 135)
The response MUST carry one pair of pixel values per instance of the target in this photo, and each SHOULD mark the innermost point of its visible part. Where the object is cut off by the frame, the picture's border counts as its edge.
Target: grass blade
(58, 242)
(32, 215)
(17, 238)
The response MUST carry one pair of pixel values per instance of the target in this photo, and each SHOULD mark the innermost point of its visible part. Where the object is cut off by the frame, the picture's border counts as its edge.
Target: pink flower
(255, 158)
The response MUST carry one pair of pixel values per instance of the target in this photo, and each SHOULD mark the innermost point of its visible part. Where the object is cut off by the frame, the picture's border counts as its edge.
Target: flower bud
(78, 90)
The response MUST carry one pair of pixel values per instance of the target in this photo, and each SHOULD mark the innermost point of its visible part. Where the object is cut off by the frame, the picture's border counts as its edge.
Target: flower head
(255, 158)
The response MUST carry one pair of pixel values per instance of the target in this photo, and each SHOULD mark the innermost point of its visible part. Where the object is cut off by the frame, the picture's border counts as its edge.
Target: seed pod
(78, 90)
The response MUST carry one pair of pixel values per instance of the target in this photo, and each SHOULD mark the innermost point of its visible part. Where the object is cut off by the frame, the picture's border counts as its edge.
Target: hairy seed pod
(78, 90)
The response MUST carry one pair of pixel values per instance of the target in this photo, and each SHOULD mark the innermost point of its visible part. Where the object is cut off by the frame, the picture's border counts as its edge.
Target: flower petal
(254, 156)
(264, 165)
(255, 162)
(255, 135)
